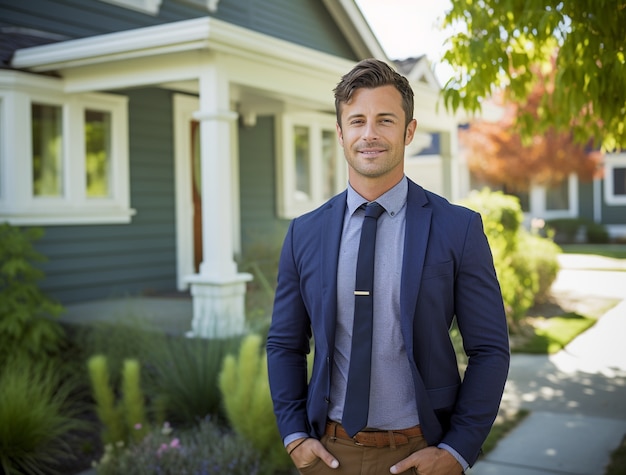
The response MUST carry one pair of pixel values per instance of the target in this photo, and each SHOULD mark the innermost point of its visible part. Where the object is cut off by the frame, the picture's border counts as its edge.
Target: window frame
(317, 123)
(538, 201)
(18, 204)
(611, 162)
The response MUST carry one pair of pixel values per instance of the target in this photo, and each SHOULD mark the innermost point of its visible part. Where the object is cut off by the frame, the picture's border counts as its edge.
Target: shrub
(206, 449)
(566, 231)
(245, 391)
(542, 255)
(39, 411)
(182, 376)
(124, 419)
(27, 322)
(526, 264)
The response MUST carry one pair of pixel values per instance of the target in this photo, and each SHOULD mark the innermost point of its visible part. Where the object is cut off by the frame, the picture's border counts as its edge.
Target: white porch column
(218, 290)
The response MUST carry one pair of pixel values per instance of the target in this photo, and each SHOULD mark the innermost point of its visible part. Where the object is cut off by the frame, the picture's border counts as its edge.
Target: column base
(218, 306)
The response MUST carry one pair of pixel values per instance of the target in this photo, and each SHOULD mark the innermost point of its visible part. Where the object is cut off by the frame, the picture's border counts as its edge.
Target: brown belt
(374, 438)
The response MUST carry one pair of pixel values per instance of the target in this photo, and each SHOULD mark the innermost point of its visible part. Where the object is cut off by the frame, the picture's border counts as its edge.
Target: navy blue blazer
(447, 271)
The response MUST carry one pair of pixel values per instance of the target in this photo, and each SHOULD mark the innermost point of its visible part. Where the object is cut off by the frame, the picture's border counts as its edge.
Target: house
(155, 140)
(601, 200)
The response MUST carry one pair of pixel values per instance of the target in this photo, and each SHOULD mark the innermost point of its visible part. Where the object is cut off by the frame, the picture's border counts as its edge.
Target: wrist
(295, 444)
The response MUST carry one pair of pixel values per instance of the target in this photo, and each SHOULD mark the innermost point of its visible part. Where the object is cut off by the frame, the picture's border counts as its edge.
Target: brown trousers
(358, 460)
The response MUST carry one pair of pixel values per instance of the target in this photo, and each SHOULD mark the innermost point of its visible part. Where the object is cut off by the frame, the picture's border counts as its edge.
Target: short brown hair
(371, 73)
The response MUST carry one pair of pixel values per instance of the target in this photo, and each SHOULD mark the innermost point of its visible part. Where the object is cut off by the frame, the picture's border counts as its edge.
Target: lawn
(616, 251)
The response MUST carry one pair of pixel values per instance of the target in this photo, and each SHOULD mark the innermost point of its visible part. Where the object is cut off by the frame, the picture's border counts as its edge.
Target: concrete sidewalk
(577, 397)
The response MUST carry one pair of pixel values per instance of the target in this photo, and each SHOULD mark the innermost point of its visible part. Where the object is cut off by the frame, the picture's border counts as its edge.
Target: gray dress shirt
(392, 393)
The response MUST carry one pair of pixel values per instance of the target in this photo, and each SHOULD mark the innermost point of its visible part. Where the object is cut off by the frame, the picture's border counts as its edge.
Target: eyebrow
(381, 114)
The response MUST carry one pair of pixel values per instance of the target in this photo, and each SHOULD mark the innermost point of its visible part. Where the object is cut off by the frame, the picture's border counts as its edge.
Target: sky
(407, 28)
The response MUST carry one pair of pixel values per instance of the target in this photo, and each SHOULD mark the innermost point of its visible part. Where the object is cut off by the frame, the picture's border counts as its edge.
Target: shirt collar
(392, 200)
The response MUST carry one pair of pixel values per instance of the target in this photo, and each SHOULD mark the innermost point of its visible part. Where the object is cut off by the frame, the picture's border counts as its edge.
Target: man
(432, 264)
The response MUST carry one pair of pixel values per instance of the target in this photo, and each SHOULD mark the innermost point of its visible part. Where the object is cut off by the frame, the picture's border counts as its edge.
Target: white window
(560, 201)
(615, 179)
(64, 158)
(311, 168)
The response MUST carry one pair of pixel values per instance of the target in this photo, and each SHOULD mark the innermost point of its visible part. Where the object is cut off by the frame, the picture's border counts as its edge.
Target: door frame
(184, 108)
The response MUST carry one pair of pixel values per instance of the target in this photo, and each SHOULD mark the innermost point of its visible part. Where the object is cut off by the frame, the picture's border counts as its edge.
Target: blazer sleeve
(482, 322)
(288, 345)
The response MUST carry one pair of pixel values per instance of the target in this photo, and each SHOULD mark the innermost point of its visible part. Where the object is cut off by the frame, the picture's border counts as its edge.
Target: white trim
(289, 203)
(17, 202)
(183, 36)
(151, 7)
(537, 200)
(611, 162)
(184, 108)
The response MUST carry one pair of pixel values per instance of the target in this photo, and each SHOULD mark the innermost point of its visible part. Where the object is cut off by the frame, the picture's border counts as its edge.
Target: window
(615, 179)
(47, 139)
(310, 167)
(557, 197)
(98, 153)
(64, 157)
(559, 201)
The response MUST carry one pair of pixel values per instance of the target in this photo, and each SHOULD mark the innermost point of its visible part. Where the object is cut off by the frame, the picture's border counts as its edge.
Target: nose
(370, 131)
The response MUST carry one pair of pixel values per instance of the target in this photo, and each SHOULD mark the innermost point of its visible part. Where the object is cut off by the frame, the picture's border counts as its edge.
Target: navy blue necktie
(356, 405)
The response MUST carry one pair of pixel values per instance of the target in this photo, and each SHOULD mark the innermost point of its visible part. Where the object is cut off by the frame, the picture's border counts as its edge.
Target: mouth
(371, 152)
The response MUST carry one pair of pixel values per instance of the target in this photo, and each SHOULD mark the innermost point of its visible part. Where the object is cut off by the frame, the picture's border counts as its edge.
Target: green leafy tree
(26, 314)
(498, 44)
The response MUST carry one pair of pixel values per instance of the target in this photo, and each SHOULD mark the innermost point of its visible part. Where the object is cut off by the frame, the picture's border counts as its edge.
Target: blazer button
(326, 400)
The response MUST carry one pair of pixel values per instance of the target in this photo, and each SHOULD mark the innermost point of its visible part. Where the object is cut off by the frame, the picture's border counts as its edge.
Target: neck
(373, 188)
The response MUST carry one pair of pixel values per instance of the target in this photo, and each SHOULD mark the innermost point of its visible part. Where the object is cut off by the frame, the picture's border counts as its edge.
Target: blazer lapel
(332, 227)
(418, 221)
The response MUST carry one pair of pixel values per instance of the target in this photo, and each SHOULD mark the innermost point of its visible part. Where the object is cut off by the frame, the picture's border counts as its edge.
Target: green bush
(526, 264)
(245, 391)
(542, 254)
(182, 376)
(123, 420)
(207, 448)
(566, 230)
(40, 410)
(27, 323)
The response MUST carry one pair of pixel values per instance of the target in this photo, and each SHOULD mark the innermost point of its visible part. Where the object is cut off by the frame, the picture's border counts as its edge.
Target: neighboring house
(155, 140)
(602, 201)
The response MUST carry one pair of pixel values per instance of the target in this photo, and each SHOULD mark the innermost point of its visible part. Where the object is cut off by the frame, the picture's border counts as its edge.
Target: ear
(339, 133)
(410, 132)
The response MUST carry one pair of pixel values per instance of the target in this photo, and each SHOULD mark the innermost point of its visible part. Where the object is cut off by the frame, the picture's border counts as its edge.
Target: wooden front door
(196, 186)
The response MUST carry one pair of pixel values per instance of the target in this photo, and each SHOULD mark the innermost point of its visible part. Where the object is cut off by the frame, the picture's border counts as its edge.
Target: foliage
(205, 449)
(496, 45)
(26, 314)
(182, 374)
(39, 410)
(523, 273)
(566, 230)
(497, 155)
(133, 400)
(541, 254)
(617, 465)
(248, 404)
(553, 334)
(125, 419)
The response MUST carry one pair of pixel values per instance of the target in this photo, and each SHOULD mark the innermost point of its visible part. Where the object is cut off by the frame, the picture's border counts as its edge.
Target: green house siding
(260, 228)
(304, 22)
(585, 200)
(99, 261)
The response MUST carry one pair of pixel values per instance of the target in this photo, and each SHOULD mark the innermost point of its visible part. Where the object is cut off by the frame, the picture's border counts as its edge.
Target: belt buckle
(356, 441)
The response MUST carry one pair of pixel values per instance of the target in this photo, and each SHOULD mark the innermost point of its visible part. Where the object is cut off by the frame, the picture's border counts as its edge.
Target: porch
(171, 314)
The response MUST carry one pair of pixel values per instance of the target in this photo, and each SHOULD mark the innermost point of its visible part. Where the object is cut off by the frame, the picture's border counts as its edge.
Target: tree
(496, 154)
(502, 43)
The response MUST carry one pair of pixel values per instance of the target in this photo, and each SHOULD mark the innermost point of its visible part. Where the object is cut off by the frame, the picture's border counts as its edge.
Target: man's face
(373, 134)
